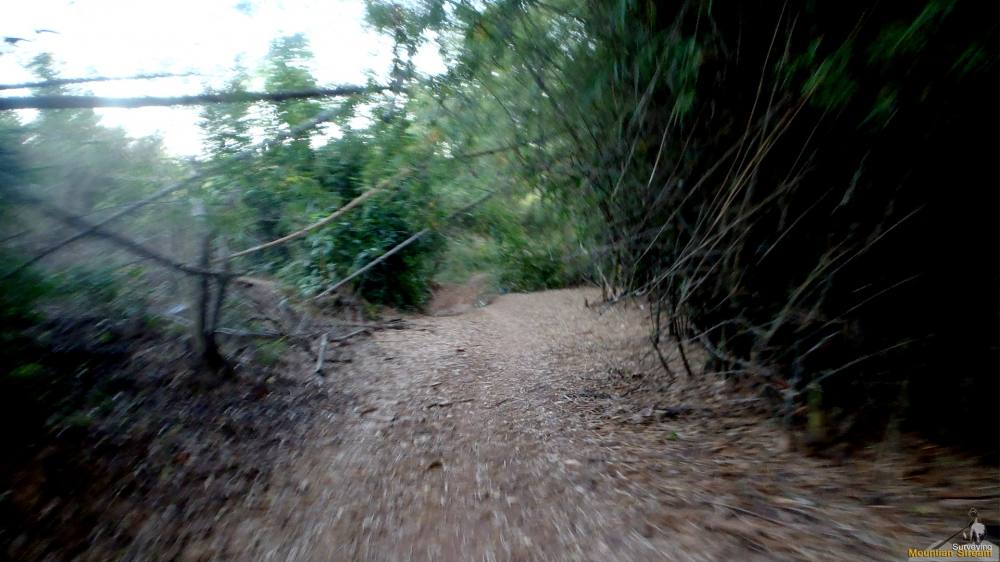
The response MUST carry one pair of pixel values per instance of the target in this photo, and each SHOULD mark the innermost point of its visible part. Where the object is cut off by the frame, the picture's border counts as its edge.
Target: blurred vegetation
(520, 243)
(806, 192)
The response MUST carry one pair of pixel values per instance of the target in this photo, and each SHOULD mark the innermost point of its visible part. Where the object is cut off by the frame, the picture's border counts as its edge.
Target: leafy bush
(807, 191)
(521, 242)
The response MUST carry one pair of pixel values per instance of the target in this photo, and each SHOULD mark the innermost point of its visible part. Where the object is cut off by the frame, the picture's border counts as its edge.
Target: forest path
(500, 434)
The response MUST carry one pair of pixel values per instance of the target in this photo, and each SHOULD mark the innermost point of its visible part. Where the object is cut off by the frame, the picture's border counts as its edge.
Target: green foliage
(753, 171)
(111, 291)
(774, 175)
(524, 247)
(269, 353)
(383, 222)
(19, 299)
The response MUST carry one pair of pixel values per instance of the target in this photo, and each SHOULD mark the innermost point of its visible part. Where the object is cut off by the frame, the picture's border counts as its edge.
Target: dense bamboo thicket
(808, 192)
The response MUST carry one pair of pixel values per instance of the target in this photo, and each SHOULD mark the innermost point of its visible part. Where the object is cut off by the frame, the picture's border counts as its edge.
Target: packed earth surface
(540, 427)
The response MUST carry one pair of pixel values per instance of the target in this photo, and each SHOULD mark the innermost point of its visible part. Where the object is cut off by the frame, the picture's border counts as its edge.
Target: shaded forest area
(806, 194)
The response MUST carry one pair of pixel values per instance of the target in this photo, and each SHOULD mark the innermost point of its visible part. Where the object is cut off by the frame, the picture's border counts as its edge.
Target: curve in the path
(487, 436)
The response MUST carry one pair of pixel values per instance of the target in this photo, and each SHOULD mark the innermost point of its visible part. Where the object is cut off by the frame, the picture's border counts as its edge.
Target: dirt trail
(506, 434)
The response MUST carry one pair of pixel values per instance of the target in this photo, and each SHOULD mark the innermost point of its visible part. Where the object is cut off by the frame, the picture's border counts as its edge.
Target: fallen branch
(295, 336)
(82, 102)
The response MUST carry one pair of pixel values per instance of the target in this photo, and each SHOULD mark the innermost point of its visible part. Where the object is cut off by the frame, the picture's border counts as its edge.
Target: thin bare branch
(83, 102)
(396, 249)
(117, 239)
(67, 81)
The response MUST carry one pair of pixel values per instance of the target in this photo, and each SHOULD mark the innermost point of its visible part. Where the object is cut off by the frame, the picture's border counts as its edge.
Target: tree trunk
(207, 312)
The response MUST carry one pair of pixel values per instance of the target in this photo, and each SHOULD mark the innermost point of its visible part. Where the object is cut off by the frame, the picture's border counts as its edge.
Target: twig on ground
(445, 403)
(352, 334)
(321, 355)
(495, 404)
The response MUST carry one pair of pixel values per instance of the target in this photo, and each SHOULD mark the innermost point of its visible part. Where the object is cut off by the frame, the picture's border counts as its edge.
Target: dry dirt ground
(535, 429)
